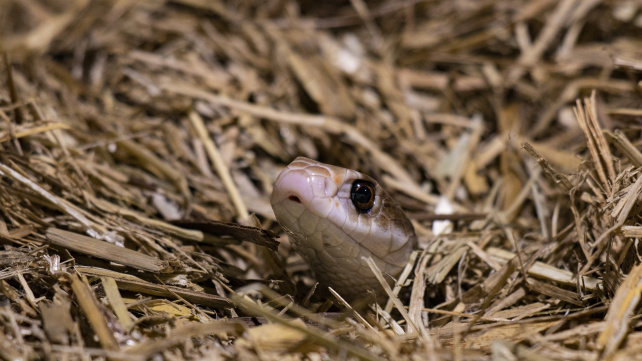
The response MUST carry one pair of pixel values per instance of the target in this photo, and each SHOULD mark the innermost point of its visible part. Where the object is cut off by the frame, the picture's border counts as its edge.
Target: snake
(337, 218)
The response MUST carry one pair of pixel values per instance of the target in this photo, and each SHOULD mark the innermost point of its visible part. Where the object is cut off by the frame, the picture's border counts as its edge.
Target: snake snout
(302, 187)
(292, 186)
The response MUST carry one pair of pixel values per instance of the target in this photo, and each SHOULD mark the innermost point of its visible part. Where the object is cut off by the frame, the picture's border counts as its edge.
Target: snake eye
(362, 195)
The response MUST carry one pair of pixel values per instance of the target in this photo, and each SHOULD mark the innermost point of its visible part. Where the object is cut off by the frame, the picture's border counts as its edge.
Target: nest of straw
(140, 139)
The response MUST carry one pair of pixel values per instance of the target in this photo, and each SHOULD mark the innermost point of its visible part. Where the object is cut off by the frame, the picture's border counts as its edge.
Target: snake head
(335, 217)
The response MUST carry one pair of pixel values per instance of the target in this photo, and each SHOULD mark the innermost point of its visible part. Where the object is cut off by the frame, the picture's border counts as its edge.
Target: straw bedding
(140, 140)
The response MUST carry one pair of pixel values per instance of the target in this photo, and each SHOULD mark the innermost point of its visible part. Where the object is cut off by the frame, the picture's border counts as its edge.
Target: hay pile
(517, 119)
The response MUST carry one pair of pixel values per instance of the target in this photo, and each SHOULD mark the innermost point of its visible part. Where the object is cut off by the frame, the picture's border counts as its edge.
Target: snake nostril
(294, 199)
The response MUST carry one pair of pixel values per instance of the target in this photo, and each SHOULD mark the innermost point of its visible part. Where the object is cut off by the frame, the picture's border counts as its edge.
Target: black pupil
(362, 195)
